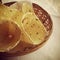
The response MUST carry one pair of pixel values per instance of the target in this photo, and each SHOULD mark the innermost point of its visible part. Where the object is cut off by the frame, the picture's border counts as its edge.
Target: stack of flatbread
(32, 29)
(30, 23)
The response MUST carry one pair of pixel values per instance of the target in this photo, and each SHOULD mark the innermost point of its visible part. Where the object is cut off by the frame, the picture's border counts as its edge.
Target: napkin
(55, 4)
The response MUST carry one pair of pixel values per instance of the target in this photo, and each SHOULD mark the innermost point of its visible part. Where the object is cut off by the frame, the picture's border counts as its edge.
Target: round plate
(28, 48)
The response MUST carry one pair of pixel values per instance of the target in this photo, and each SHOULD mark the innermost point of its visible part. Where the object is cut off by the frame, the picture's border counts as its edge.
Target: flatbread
(34, 28)
(27, 7)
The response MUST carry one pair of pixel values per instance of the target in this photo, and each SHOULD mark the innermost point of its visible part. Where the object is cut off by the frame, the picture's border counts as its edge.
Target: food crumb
(37, 33)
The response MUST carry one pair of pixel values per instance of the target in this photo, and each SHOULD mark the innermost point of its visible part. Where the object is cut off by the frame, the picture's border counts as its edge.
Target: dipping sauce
(9, 35)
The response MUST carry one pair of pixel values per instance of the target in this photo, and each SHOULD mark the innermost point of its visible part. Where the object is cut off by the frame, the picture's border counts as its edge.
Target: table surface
(51, 50)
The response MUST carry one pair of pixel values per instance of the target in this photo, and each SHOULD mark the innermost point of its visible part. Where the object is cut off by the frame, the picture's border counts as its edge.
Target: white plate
(51, 50)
